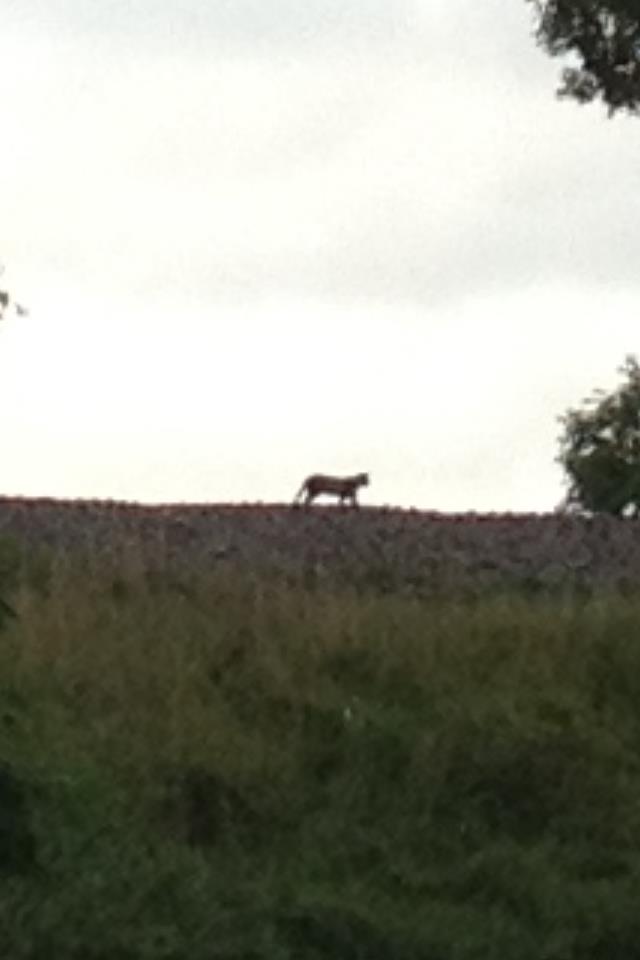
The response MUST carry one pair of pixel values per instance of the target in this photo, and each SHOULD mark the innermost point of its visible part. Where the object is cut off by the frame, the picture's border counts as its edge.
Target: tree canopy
(602, 37)
(600, 449)
(6, 300)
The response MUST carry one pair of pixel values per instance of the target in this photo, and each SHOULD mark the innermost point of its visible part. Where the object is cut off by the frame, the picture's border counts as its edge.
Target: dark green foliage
(202, 809)
(334, 930)
(604, 37)
(600, 449)
(17, 844)
(6, 612)
(243, 771)
(9, 572)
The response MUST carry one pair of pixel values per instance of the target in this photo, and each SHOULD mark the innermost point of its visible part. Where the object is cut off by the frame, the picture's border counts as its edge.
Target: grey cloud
(395, 250)
(228, 22)
(462, 37)
(383, 229)
(474, 256)
(401, 255)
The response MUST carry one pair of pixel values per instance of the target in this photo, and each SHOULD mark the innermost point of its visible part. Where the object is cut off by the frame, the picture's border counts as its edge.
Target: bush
(241, 769)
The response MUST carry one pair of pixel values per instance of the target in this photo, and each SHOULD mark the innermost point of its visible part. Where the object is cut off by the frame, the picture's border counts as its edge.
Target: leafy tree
(6, 300)
(600, 449)
(603, 36)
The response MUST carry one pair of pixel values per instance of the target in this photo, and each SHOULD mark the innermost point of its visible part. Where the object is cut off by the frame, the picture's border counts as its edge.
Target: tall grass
(226, 767)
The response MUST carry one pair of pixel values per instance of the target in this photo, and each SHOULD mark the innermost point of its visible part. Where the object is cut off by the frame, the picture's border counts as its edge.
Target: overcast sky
(264, 238)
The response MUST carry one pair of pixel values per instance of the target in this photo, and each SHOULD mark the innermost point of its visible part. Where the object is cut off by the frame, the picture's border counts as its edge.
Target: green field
(225, 767)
